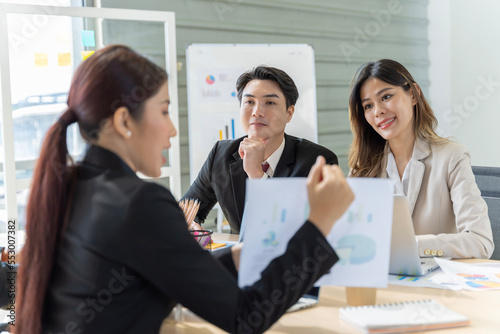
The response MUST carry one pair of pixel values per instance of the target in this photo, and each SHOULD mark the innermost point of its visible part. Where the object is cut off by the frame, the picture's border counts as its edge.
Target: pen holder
(203, 237)
(360, 296)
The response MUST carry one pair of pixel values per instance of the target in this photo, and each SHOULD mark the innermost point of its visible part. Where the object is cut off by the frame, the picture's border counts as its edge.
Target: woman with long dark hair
(109, 253)
(394, 137)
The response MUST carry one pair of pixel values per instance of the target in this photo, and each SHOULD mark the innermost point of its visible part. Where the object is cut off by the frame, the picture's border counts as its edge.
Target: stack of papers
(456, 276)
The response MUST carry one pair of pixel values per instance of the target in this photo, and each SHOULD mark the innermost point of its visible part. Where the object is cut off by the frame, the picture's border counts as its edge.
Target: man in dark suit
(267, 98)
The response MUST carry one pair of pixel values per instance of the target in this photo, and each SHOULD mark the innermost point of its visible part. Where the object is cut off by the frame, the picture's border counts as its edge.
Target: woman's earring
(129, 133)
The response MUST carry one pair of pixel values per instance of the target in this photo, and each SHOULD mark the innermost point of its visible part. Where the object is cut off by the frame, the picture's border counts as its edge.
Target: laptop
(310, 299)
(405, 258)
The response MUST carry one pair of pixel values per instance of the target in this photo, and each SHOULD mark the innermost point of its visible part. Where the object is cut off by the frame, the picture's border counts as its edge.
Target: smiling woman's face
(388, 109)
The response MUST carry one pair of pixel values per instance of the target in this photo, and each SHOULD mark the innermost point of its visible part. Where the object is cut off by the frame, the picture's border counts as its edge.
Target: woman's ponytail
(44, 219)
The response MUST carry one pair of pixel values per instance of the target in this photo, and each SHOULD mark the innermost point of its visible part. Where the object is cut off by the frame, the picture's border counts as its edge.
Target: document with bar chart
(361, 238)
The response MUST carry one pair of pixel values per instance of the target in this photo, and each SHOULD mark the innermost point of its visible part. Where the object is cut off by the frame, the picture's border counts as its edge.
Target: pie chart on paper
(355, 249)
(483, 284)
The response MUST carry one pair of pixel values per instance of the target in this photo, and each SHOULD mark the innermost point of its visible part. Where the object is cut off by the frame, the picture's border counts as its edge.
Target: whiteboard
(213, 107)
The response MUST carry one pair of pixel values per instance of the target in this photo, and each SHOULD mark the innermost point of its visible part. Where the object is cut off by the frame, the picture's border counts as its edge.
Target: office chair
(488, 181)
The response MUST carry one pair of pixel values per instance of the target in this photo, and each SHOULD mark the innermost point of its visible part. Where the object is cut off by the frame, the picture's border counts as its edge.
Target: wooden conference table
(480, 306)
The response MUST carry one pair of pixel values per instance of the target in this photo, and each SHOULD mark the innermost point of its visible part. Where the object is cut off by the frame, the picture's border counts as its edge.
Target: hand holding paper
(329, 195)
(361, 237)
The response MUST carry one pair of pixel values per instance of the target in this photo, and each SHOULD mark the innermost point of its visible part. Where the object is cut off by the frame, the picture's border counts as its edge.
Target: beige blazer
(448, 212)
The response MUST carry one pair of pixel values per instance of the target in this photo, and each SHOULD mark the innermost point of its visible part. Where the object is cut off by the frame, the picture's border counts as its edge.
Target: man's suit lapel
(238, 183)
(287, 160)
(420, 152)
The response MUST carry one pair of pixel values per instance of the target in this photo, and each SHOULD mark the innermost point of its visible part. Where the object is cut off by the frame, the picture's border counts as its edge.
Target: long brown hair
(113, 77)
(367, 149)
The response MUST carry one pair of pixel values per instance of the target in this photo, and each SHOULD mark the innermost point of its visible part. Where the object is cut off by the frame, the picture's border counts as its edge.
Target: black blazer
(222, 178)
(126, 257)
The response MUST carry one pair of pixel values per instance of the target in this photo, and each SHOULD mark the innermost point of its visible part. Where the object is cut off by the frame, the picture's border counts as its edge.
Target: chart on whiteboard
(217, 85)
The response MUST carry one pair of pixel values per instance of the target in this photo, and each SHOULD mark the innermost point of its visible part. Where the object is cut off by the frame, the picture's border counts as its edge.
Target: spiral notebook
(402, 317)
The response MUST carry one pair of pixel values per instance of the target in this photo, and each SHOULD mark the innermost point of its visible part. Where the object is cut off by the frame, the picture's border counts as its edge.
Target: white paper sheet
(472, 276)
(277, 208)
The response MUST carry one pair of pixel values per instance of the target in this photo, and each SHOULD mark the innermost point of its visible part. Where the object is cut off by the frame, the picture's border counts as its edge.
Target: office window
(42, 63)
(45, 46)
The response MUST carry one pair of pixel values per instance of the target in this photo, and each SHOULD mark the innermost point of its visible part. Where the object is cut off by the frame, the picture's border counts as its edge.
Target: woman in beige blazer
(394, 137)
